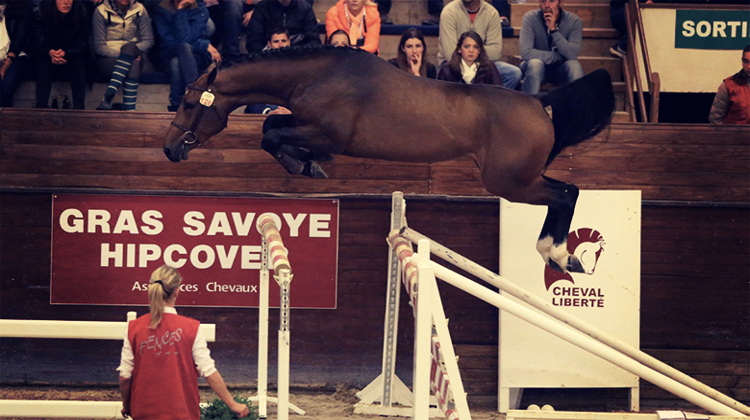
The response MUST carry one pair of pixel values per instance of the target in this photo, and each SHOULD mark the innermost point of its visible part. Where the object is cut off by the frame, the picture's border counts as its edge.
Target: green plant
(218, 410)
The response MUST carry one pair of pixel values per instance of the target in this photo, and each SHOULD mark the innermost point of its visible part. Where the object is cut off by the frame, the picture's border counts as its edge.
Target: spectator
(732, 102)
(184, 49)
(15, 21)
(278, 38)
(411, 55)
(297, 16)
(230, 16)
(161, 382)
(618, 20)
(339, 38)
(358, 18)
(550, 42)
(461, 16)
(61, 33)
(469, 63)
(122, 33)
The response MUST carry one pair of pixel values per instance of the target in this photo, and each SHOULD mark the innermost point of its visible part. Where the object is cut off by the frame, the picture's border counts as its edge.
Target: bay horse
(350, 102)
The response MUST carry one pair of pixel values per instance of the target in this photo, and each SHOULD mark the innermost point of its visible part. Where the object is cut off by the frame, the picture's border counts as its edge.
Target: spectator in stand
(184, 50)
(61, 33)
(470, 64)
(229, 16)
(411, 53)
(550, 42)
(618, 20)
(358, 18)
(339, 38)
(161, 382)
(15, 21)
(296, 16)
(461, 16)
(122, 33)
(277, 38)
(732, 102)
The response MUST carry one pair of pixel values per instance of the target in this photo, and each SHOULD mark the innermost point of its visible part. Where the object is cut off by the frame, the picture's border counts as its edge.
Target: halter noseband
(207, 101)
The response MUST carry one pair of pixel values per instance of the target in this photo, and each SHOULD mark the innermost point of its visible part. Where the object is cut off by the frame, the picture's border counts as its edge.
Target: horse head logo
(587, 244)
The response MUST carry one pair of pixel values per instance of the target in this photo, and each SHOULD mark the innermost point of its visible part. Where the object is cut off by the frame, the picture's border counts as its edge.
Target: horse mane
(295, 51)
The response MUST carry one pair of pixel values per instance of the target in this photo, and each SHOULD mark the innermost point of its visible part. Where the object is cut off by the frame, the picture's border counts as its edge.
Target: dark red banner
(105, 247)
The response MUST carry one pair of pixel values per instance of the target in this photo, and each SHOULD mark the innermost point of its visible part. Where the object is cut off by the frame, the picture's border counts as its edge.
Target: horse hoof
(555, 266)
(313, 170)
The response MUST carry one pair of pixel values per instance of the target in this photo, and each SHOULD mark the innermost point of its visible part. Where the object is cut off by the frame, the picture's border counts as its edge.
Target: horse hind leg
(553, 240)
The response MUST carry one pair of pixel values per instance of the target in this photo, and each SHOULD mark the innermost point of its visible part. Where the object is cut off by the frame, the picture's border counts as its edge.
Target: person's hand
(280, 110)
(246, 17)
(215, 56)
(183, 4)
(57, 57)
(416, 63)
(550, 18)
(5, 66)
(240, 409)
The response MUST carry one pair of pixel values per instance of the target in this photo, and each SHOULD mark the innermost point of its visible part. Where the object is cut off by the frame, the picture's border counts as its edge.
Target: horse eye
(188, 105)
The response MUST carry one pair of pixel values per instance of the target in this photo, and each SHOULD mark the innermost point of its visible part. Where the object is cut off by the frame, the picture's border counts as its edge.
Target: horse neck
(262, 81)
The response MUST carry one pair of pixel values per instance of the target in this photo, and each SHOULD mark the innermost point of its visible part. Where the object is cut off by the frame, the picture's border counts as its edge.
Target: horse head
(198, 118)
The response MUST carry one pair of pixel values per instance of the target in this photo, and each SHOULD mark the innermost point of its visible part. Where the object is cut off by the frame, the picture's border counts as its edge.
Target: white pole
(581, 340)
(284, 278)
(575, 322)
(423, 334)
(263, 334)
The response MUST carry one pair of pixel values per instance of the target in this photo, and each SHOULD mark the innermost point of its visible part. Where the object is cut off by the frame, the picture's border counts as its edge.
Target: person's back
(296, 16)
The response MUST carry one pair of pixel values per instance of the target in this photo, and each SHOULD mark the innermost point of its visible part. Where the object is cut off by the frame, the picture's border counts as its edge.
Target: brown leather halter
(189, 136)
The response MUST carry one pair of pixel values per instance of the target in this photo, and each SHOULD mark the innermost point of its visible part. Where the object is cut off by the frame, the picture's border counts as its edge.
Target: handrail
(632, 68)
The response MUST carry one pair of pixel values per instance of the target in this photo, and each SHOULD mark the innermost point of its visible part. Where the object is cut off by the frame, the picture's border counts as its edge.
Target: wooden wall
(695, 246)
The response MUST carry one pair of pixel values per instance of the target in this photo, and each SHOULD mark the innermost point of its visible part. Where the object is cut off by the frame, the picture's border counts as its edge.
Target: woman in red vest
(732, 102)
(162, 357)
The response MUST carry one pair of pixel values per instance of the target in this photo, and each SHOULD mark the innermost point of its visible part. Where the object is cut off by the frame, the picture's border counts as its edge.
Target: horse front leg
(284, 139)
(553, 240)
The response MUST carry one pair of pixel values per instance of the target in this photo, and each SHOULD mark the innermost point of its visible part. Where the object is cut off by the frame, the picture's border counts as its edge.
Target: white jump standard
(274, 257)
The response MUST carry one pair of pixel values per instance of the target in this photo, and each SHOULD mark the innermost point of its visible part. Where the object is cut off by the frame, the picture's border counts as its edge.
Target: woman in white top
(470, 64)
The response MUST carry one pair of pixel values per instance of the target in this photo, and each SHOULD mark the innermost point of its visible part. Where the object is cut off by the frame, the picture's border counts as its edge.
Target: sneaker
(385, 19)
(433, 20)
(617, 51)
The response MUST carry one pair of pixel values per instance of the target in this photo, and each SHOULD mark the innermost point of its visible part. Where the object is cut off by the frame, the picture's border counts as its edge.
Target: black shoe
(385, 19)
(504, 21)
(104, 105)
(66, 103)
(431, 21)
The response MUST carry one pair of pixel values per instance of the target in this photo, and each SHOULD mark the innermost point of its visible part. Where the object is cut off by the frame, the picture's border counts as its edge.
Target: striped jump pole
(274, 257)
(435, 366)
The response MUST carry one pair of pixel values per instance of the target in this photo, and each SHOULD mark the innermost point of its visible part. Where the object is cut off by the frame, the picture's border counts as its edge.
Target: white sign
(605, 234)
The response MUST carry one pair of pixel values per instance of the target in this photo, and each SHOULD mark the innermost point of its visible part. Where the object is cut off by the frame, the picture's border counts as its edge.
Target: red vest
(739, 103)
(165, 383)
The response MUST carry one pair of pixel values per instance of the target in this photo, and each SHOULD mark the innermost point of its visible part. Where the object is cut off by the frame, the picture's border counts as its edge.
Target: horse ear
(212, 71)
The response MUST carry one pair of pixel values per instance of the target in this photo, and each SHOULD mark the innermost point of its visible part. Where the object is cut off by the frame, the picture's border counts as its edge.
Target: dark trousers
(617, 17)
(74, 70)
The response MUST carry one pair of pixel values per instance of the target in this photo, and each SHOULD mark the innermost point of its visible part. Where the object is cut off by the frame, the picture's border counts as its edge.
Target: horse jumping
(349, 102)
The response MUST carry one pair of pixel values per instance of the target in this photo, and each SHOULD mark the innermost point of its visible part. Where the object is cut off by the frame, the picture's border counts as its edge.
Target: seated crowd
(111, 39)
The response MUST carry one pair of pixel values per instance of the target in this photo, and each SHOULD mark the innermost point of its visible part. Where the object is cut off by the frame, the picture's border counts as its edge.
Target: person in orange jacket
(358, 18)
(732, 101)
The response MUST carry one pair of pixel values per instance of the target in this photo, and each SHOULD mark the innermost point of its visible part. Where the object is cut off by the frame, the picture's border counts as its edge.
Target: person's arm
(310, 29)
(145, 32)
(125, 393)
(720, 106)
(80, 47)
(256, 34)
(372, 37)
(569, 44)
(447, 35)
(493, 43)
(216, 382)
(526, 40)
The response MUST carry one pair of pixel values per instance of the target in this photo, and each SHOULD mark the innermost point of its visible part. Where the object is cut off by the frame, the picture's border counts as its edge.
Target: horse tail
(580, 110)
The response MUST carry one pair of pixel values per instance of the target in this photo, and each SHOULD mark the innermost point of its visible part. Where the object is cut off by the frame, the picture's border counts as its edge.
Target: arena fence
(85, 330)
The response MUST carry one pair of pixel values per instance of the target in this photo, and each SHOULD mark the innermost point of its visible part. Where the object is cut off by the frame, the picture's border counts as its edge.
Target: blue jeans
(536, 73)
(510, 74)
(13, 78)
(231, 23)
(183, 67)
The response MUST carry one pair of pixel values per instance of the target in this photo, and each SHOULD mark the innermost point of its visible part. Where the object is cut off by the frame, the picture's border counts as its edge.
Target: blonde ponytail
(164, 282)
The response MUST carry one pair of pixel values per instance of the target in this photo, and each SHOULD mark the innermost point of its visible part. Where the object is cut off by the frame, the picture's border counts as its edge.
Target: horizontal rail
(61, 409)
